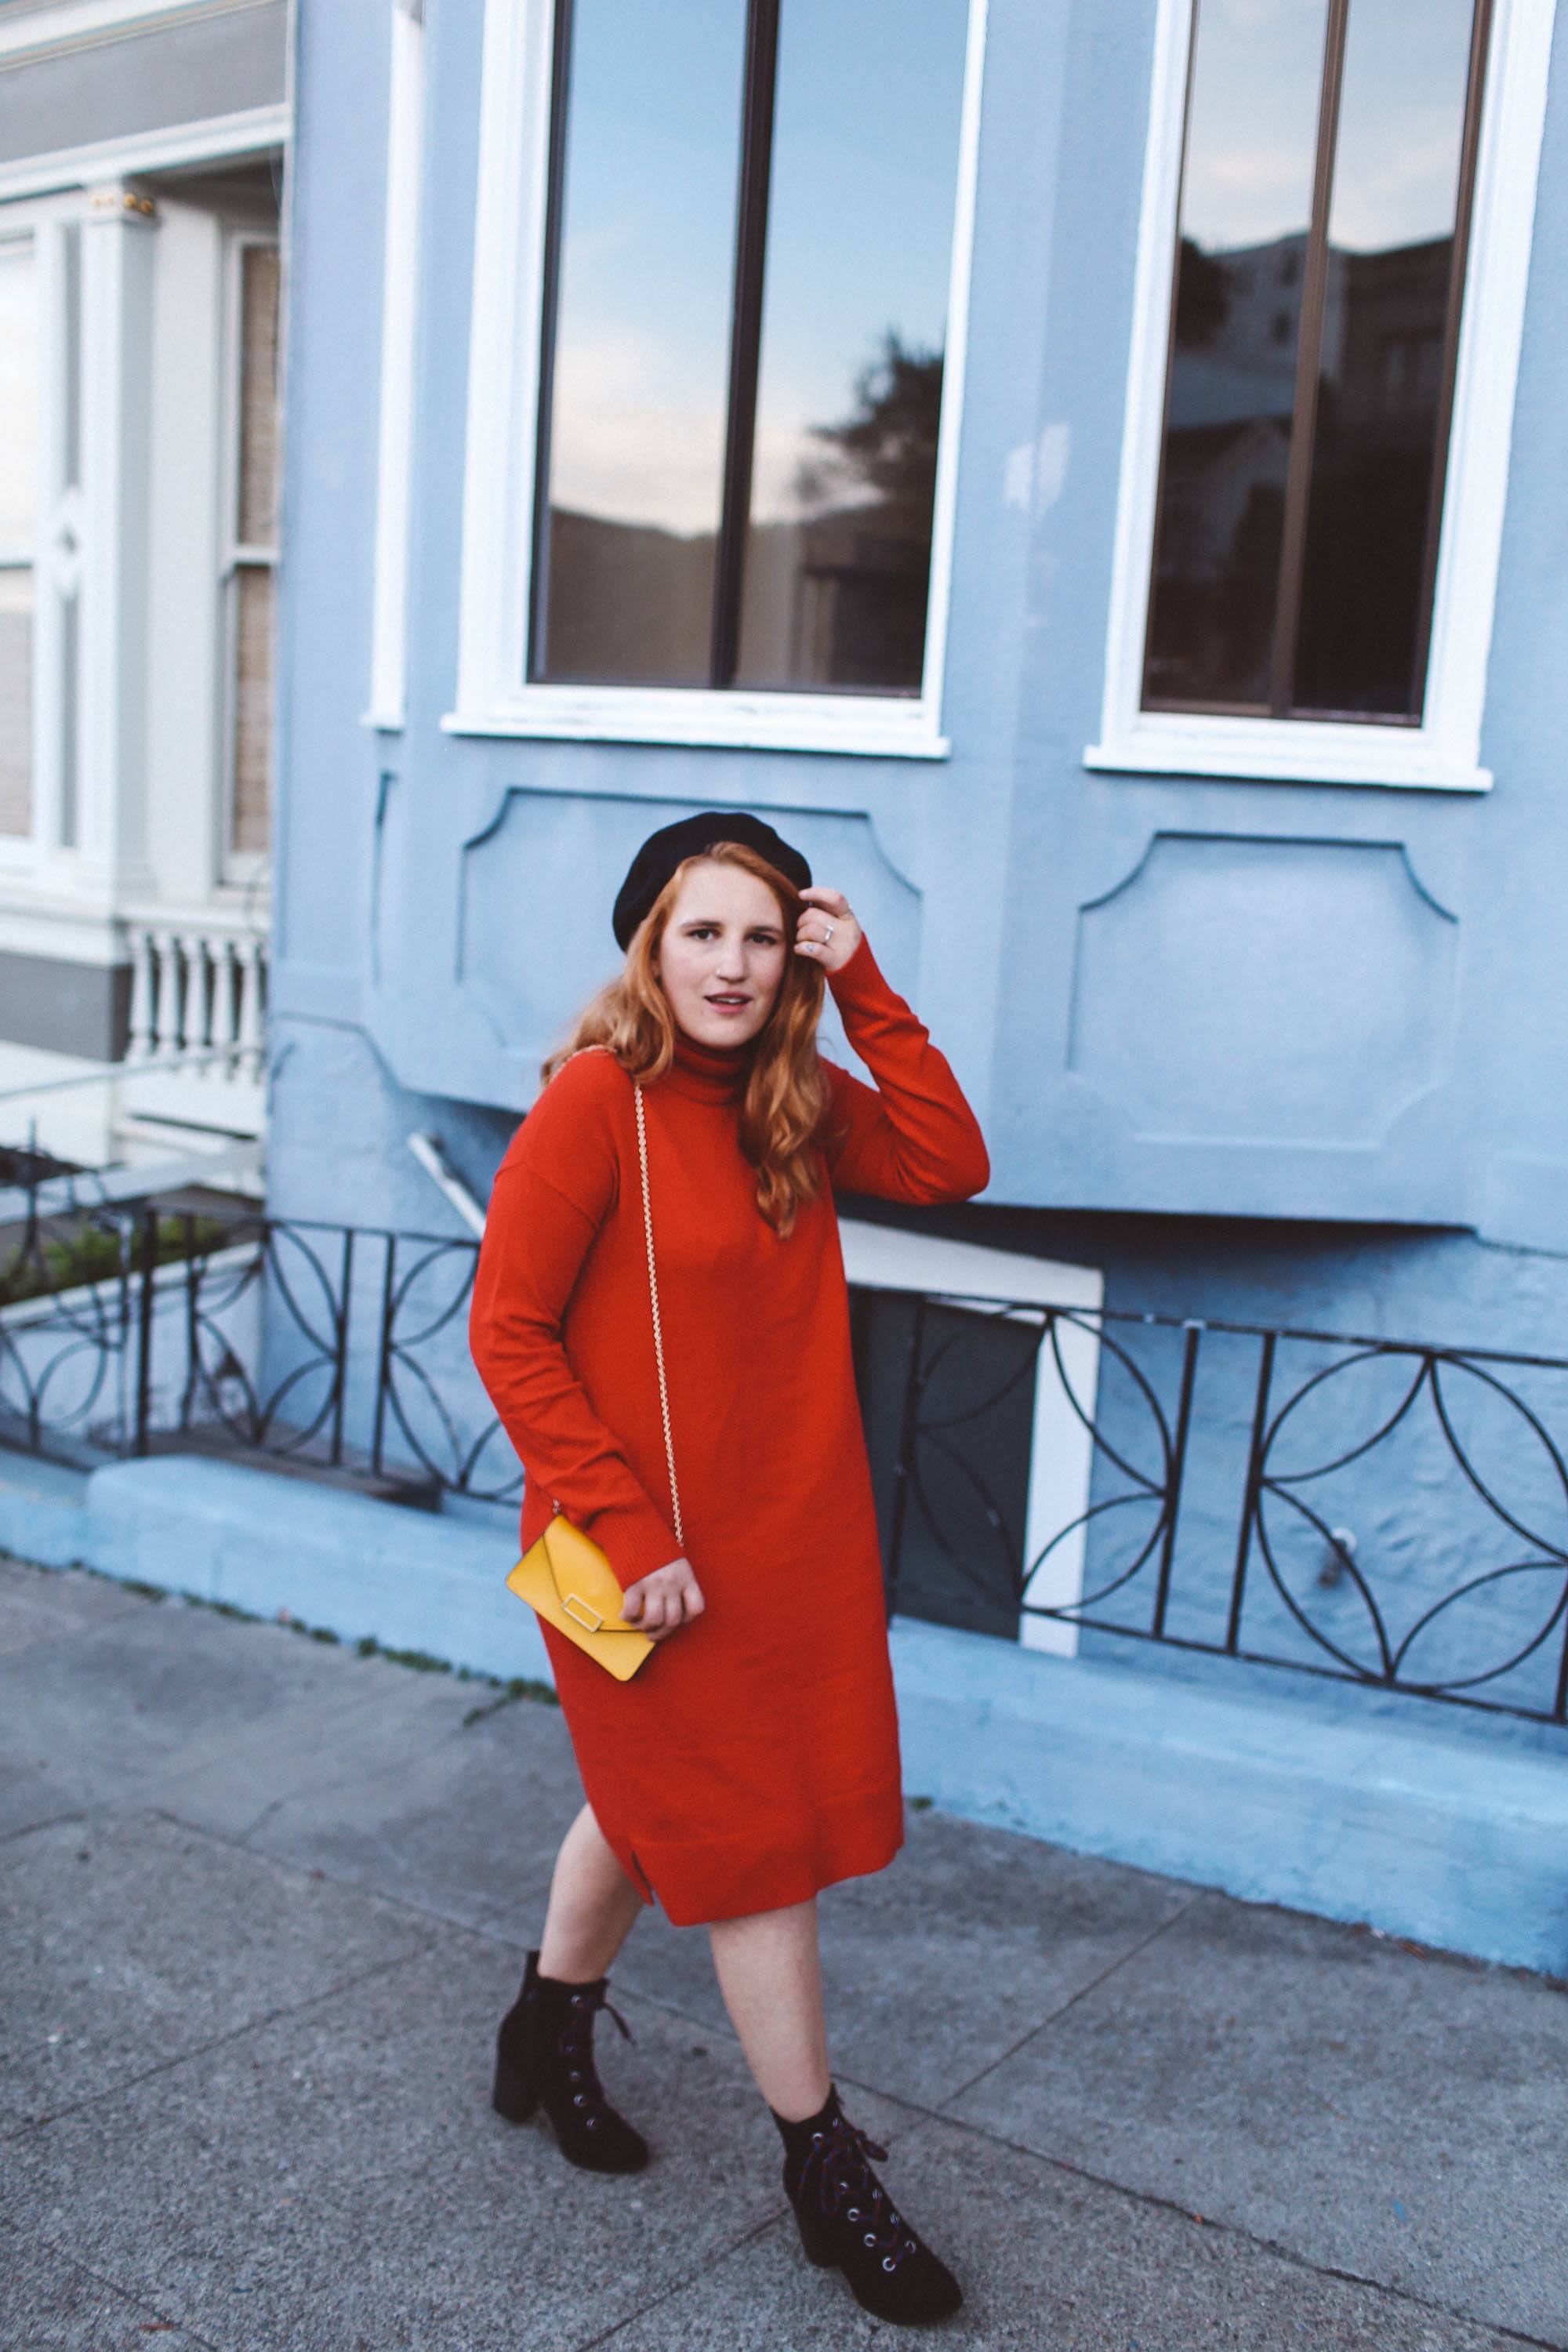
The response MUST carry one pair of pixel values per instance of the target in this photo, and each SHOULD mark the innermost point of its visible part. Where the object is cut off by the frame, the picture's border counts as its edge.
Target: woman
(754, 1759)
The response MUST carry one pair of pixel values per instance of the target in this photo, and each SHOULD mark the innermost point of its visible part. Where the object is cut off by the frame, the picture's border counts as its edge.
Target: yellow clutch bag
(569, 1580)
(566, 1576)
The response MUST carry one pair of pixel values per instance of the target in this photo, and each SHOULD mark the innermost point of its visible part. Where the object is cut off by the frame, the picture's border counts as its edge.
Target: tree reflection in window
(838, 597)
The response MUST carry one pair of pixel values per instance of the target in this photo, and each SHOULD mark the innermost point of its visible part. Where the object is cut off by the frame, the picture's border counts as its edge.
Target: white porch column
(116, 379)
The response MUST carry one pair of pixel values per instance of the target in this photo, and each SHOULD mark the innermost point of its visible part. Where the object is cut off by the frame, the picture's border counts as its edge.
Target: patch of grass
(421, 1662)
(224, 1609)
(518, 1687)
(91, 1253)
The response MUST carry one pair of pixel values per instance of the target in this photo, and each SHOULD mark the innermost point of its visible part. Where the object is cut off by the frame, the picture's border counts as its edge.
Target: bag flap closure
(585, 1584)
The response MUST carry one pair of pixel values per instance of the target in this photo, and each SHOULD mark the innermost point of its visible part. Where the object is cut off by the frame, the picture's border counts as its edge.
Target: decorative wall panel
(538, 881)
(1255, 991)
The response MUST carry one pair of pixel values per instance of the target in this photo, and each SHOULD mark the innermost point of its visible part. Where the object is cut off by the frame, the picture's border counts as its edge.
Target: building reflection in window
(1329, 153)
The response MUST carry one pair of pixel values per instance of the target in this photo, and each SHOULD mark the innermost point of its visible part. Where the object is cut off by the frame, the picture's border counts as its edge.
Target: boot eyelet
(854, 2212)
(869, 2239)
(593, 2123)
(889, 2262)
(579, 2099)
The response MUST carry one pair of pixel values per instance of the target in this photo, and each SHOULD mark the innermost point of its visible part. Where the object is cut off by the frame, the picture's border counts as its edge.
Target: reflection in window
(19, 527)
(751, 227)
(1326, 184)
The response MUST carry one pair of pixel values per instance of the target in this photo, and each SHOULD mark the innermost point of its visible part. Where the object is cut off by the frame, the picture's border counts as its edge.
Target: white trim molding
(1442, 754)
(73, 24)
(503, 397)
(399, 319)
(1067, 1377)
(219, 138)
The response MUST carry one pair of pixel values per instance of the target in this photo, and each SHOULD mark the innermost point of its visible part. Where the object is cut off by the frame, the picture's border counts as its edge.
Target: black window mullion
(1308, 369)
(745, 334)
(556, 182)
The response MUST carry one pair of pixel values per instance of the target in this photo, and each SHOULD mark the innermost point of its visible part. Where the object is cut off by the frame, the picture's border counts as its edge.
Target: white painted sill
(1290, 751)
(861, 727)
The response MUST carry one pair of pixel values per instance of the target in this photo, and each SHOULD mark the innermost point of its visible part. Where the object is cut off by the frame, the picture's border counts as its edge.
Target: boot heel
(817, 2239)
(510, 2097)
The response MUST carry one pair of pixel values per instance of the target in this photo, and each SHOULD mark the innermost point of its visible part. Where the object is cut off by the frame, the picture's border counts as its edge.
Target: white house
(142, 153)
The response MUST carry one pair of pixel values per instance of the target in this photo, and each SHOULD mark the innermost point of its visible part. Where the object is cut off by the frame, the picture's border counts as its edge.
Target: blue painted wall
(1272, 1052)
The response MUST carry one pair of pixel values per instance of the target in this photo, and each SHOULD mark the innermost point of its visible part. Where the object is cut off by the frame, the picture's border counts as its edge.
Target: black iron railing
(1385, 1512)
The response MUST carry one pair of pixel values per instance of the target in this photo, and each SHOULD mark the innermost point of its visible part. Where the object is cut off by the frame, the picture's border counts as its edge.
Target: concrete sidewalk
(263, 1899)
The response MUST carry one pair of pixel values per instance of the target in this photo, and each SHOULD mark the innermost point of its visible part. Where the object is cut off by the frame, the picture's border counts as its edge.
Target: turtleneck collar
(708, 1072)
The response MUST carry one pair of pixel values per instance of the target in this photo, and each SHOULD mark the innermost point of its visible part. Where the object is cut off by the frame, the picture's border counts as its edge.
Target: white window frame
(493, 698)
(1061, 1440)
(63, 526)
(399, 319)
(16, 848)
(239, 868)
(1442, 753)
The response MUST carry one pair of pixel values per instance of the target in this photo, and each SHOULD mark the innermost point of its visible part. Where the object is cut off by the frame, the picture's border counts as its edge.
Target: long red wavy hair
(788, 1102)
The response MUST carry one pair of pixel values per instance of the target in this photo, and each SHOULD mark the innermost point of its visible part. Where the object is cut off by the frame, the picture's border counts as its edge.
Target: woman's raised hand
(658, 1603)
(828, 931)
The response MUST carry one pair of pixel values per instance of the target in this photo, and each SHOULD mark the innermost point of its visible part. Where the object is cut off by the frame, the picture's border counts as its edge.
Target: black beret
(663, 851)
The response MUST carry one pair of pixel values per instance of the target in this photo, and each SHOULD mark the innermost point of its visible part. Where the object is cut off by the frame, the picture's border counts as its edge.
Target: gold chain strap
(658, 1331)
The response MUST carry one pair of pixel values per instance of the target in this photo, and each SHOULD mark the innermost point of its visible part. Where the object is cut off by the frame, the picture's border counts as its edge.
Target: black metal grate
(1391, 1513)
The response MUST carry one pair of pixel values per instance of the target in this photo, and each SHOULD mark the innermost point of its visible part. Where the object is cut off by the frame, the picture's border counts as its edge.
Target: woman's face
(721, 958)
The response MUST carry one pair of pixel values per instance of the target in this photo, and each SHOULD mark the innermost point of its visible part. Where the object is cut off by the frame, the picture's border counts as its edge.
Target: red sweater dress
(753, 1758)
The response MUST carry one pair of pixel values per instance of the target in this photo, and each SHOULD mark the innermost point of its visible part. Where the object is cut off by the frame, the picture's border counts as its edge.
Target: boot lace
(576, 2043)
(838, 2169)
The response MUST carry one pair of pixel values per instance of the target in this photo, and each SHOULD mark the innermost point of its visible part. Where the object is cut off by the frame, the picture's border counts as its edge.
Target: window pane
(250, 826)
(18, 528)
(258, 515)
(1246, 201)
(70, 295)
(864, 160)
(634, 450)
(1391, 252)
(18, 399)
(69, 707)
(16, 701)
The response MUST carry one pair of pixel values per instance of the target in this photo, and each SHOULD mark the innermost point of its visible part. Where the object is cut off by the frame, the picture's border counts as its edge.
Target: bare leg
(593, 1906)
(769, 1973)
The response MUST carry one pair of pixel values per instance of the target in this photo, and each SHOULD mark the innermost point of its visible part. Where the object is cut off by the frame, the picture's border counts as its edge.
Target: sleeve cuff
(634, 1541)
(861, 976)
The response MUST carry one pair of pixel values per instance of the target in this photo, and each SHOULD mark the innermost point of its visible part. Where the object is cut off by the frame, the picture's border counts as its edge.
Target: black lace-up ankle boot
(847, 2217)
(545, 2057)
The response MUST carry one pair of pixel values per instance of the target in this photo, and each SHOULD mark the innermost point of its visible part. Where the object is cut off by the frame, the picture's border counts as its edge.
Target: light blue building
(1093, 472)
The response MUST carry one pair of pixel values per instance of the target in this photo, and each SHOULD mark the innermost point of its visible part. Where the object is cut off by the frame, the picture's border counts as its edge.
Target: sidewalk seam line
(112, 2286)
(1239, 2231)
(678, 2286)
(204, 2049)
(1055, 2016)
